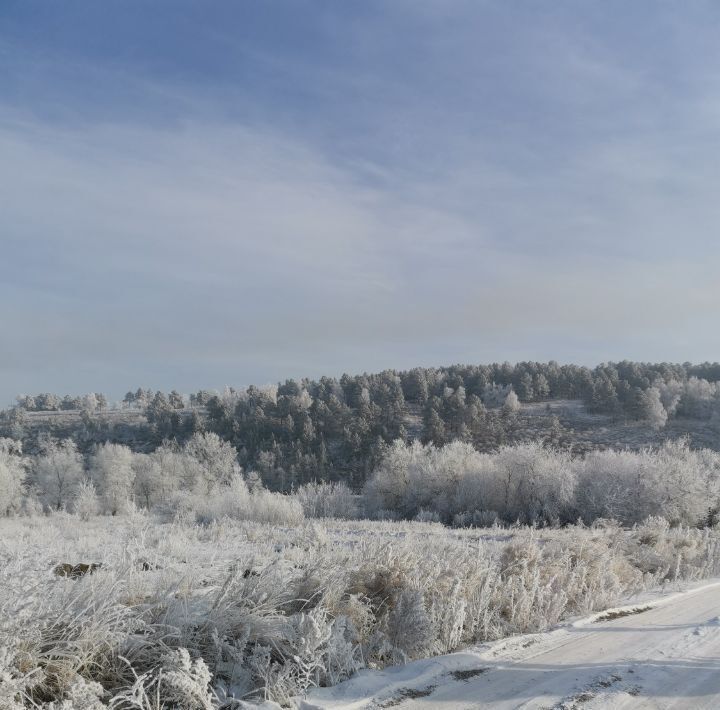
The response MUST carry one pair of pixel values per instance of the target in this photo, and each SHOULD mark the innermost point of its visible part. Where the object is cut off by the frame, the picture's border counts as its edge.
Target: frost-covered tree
(435, 431)
(12, 476)
(87, 503)
(494, 395)
(47, 402)
(674, 482)
(176, 400)
(90, 402)
(149, 485)
(654, 411)
(698, 398)
(670, 394)
(525, 387)
(216, 458)
(175, 470)
(538, 484)
(111, 470)
(511, 403)
(541, 386)
(57, 473)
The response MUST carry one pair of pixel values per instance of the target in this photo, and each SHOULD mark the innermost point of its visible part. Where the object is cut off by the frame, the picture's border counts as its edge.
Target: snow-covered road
(667, 656)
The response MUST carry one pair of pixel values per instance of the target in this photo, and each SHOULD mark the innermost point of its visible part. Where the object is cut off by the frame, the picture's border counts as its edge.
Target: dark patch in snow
(408, 694)
(467, 674)
(612, 615)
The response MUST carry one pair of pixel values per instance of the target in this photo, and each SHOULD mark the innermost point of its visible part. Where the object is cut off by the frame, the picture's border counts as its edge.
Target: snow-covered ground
(231, 610)
(664, 653)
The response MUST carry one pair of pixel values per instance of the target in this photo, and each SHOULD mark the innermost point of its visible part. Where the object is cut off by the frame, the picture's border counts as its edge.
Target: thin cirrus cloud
(495, 183)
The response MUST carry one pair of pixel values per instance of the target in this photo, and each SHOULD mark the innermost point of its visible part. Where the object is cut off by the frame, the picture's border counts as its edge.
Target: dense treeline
(338, 429)
(454, 484)
(48, 402)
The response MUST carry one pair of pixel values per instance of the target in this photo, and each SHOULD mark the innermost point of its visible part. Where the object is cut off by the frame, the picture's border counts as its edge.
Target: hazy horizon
(194, 195)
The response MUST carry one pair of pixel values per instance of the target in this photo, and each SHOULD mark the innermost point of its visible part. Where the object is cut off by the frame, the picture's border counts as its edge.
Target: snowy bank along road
(664, 653)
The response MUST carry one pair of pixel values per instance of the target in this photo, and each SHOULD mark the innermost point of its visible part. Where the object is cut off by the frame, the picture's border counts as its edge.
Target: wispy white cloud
(547, 194)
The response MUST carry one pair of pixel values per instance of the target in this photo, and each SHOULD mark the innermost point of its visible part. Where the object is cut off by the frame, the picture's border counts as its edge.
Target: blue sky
(195, 194)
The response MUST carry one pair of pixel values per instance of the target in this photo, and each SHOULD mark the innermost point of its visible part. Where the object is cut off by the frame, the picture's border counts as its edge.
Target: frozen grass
(188, 616)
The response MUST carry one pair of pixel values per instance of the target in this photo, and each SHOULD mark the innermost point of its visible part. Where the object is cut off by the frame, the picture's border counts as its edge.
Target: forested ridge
(340, 428)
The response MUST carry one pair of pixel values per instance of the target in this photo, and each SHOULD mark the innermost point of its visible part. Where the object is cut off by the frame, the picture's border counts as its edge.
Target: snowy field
(180, 615)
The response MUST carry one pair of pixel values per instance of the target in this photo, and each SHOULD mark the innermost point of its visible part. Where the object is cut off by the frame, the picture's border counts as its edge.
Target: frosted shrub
(526, 482)
(485, 518)
(409, 627)
(82, 695)
(538, 484)
(178, 683)
(328, 500)
(344, 653)
(215, 458)
(593, 572)
(448, 611)
(15, 683)
(274, 508)
(87, 504)
(112, 473)
(184, 682)
(534, 484)
(533, 597)
(412, 477)
(671, 553)
(235, 501)
(674, 482)
(297, 659)
(427, 516)
(571, 575)
(615, 485)
(31, 506)
(686, 482)
(231, 501)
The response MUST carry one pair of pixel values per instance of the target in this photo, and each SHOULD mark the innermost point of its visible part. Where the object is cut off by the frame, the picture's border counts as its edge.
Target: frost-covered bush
(427, 516)
(526, 482)
(328, 500)
(236, 501)
(699, 398)
(534, 484)
(87, 503)
(412, 477)
(537, 484)
(178, 682)
(409, 627)
(216, 461)
(674, 482)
